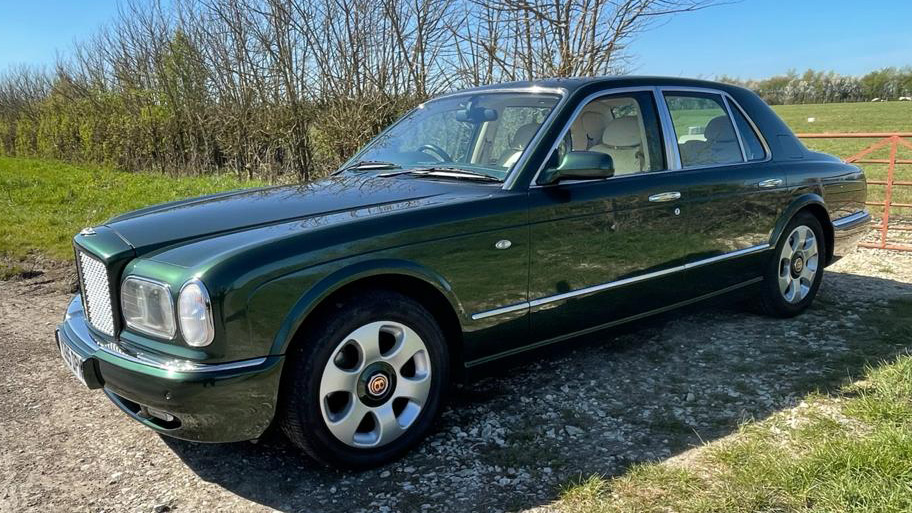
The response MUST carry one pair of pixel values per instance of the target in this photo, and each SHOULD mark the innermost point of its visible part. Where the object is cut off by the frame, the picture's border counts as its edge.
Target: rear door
(736, 194)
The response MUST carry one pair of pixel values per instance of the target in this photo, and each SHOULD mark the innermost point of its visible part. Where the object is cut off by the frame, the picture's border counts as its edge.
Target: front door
(610, 249)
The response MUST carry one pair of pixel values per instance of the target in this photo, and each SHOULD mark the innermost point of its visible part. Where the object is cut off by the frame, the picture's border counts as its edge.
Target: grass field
(44, 203)
(857, 117)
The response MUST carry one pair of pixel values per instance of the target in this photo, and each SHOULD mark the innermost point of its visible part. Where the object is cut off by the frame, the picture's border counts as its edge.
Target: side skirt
(607, 325)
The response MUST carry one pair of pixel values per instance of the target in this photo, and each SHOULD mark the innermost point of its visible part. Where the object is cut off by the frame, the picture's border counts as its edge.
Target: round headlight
(194, 311)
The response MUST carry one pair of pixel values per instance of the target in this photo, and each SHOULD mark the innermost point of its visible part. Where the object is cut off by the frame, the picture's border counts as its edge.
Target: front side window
(626, 127)
(482, 133)
(703, 129)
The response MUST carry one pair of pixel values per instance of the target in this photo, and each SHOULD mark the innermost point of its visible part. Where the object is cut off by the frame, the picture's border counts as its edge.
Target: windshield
(483, 133)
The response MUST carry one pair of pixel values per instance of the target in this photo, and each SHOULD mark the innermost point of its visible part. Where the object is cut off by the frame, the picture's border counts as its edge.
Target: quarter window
(704, 131)
(752, 145)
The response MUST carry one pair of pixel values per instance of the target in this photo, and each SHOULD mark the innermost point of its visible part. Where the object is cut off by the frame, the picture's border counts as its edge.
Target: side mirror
(579, 165)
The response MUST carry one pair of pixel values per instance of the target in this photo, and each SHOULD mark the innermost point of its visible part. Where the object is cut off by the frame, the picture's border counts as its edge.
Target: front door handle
(665, 196)
(769, 184)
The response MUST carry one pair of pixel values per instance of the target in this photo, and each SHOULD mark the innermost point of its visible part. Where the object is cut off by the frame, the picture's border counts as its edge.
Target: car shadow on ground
(644, 392)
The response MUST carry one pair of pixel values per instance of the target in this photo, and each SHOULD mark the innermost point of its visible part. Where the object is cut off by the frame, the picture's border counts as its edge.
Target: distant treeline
(287, 89)
(828, 87)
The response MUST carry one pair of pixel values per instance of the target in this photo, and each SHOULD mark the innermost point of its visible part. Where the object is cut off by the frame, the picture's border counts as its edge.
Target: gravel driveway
(642, 393)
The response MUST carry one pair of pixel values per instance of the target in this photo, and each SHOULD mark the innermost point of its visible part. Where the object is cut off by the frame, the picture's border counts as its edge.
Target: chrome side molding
(618, 283)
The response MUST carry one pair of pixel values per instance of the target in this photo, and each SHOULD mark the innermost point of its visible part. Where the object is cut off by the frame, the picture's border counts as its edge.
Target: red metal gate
(894, 140)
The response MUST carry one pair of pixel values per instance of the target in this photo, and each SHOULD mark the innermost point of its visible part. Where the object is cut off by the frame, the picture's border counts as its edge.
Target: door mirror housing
(579, 165)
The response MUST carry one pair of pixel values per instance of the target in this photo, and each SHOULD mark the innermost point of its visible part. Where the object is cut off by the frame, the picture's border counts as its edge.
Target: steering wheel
(435, 151)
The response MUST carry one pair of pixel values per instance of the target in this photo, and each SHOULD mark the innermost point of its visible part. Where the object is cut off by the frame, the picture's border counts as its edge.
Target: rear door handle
(769, 184)
(665, 196)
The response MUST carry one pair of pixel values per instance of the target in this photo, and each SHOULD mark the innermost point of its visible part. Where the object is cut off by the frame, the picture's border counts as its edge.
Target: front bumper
(848, 232)
(206, 403)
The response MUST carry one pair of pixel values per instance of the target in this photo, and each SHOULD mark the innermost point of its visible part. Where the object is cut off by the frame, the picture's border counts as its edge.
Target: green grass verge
(849, 451)
(44, 203)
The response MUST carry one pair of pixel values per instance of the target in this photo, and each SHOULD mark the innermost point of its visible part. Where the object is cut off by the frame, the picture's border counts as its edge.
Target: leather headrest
(523, 135)
(593, 124)
(622, 132)
(719, 129)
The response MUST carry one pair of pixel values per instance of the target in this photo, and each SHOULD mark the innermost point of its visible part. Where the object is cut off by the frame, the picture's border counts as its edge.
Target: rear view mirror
(476, 115)
(580, 165)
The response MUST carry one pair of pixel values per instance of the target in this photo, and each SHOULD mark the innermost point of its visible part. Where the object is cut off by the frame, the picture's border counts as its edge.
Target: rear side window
(752, 145)
(704, 131)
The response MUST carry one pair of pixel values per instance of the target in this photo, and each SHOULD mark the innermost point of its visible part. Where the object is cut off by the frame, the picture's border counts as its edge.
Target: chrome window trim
(672, 151)
(510, 178)
(618, 283)
(661, 90)
(576, 112)
(130, 327)
(849, 219)
(731, 119)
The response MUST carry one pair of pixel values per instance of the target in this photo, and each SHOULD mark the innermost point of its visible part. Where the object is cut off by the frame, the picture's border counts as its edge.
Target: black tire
(300, 414)
(772, 298)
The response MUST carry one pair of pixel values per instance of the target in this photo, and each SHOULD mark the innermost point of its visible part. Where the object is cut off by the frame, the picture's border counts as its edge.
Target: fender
(797, 204)
(350, 274)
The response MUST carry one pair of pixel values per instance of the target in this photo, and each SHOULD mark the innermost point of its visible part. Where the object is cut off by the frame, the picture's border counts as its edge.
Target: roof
(573, 83)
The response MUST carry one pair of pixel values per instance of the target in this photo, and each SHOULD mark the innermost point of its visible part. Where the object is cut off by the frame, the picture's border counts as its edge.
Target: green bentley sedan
(484, 223)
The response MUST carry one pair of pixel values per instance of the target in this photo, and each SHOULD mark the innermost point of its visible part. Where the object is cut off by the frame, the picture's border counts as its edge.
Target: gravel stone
(509, 442)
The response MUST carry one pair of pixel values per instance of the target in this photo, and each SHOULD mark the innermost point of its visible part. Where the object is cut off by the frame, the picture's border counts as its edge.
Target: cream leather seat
(720, 147)
(621, 139)
(518, 143)
(587, 130)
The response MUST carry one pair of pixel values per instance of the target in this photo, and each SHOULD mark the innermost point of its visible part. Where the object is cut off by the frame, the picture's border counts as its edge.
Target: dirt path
(643, 393)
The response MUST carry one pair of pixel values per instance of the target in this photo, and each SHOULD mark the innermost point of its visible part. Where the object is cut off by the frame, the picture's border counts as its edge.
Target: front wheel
(367, 383)
(795, 271)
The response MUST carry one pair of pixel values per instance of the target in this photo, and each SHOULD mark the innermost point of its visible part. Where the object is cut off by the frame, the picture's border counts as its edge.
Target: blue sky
(748, 39)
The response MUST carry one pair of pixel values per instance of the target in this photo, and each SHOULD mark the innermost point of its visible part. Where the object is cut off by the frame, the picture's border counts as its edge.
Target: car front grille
(96, 292)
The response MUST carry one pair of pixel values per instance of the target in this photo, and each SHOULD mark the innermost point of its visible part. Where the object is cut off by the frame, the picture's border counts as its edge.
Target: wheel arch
(407, 278)
(813, 204)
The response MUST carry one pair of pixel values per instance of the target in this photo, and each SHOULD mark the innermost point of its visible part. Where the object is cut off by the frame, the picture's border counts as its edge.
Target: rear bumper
(205, 403)
(848, 232)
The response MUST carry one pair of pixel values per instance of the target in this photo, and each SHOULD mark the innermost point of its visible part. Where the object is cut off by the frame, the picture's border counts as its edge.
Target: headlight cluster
(148, 308)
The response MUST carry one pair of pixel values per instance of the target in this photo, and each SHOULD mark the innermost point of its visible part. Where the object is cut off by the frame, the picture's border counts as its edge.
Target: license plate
(73, 361)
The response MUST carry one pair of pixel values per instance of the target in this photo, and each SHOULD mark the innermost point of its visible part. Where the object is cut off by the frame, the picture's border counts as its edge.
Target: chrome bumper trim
(75, 323)
(856, 218)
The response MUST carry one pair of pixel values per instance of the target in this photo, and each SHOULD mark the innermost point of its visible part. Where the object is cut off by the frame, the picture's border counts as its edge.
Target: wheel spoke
(368, 340)
(337, 380)
(785, 277)
(387, 422)
(407, 346)
(801, 238)
(344, 429)
(415, 389)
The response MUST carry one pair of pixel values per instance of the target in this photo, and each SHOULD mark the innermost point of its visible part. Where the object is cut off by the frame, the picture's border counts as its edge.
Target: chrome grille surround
(96, 293)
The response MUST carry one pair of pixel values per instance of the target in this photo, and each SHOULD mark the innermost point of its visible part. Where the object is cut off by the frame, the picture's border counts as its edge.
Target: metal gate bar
(894, 140)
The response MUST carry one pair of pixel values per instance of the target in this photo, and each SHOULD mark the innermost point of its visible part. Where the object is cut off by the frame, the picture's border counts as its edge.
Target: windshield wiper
(444, 172)
(369, 164)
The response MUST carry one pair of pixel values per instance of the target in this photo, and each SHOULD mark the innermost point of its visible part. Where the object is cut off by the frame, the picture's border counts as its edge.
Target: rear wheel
(367, 383)
(795, 272)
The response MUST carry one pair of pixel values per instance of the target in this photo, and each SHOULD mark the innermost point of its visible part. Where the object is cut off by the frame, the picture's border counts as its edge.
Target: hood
(172, 223)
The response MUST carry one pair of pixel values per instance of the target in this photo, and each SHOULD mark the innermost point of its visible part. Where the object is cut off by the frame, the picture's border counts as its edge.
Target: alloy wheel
(375, 384)
(798, 264)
